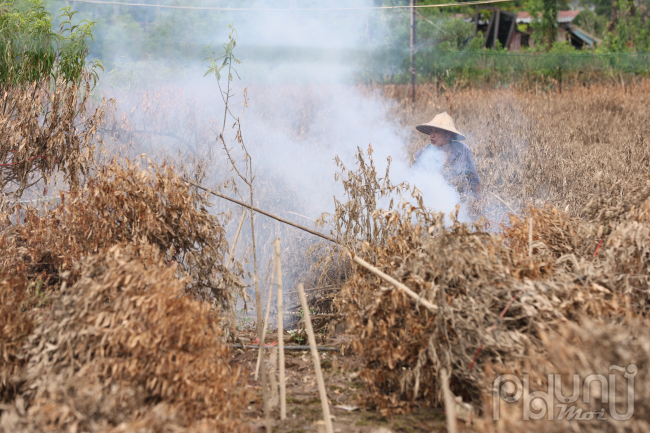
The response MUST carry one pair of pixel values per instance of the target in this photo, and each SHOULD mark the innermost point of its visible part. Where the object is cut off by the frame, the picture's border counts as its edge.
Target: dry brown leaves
(125, 203)
(541, 147)
(16, 324)
(153, 119)
(47, 131)
(470, 275)
(124, 350)
(496, 304)
(586, 347)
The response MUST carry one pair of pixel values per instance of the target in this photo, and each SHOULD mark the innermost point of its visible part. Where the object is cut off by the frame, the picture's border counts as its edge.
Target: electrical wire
(470, 3)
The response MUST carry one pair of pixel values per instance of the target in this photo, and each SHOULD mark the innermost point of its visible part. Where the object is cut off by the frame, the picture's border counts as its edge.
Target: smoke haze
(304, 108)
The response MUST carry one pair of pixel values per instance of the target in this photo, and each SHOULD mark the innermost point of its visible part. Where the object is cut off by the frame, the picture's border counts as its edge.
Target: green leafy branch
(228, 57)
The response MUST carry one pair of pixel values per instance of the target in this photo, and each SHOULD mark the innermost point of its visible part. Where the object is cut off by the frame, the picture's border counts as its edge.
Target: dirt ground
(344, 393)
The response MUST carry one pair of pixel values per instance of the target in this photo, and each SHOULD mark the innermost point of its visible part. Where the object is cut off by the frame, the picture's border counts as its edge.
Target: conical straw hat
(441, 121)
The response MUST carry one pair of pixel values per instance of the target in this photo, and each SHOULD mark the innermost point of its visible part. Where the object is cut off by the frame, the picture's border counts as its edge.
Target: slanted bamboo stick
(266, 320)
(283, 390)
(234, 243)
(258, 210)
(314, 354)
(431, 307)
(319, 348)
(450, 403)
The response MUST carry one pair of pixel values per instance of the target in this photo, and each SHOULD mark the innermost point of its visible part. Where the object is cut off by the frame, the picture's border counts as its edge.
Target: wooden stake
(283, 390)
(431, 307)
(234, 243)
(314, 354)
(530, 237)
(231, 257)
(450, 403)
(266, 321)
(412, 47)
(265, 398)
(271, 367)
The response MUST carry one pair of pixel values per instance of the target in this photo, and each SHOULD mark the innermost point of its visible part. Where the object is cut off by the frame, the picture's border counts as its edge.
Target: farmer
(458, 169)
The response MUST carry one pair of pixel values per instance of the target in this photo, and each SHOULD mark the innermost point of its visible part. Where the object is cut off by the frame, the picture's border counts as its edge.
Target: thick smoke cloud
(304, 107)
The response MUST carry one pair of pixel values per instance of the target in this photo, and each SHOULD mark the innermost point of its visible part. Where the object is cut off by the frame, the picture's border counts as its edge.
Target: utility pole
(413, 48)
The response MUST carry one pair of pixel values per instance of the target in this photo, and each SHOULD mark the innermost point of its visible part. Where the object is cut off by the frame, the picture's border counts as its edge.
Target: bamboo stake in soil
(231, 256)
(530, 237)
(431, 307)
(258, 303)
(283, 390)
(450, 403)
(266, 320)
(265, 392)
(314, 354)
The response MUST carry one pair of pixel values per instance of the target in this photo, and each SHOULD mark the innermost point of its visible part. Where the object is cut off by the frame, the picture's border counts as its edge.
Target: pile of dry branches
(123, 350)
(15, 326)
(494, 300)
(124, 203)
(572, 354)
(117, 273)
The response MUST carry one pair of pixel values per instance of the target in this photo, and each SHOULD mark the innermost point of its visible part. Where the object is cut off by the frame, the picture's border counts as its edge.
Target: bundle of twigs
(495, 294)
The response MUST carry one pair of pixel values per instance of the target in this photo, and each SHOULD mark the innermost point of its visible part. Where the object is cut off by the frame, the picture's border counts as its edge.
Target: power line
(470, 3)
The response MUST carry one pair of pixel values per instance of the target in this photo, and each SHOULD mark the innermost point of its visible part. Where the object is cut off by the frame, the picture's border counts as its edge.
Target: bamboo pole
(314, 354)
(265, 393)
(450, 403)
(230, 260)
(234, 243)
(412, 49)
(258, 210)
(266, 320)
(283, 390)
(431, 307)
(253, 346)
(530, 237)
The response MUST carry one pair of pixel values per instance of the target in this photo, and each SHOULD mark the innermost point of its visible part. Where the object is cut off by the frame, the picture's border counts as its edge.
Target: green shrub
(31, 51)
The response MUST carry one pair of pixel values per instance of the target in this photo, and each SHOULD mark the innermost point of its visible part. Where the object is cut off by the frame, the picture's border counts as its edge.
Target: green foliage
(26, 44)
(544, 22)
(228, 57)
(549, 22)
(563, 48)
(454, 34)
(30, 51)
(631, 33)
(72, 48)
(592, 22)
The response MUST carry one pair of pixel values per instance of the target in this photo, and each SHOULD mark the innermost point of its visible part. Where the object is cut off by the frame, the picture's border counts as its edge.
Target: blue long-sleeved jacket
(460, 170)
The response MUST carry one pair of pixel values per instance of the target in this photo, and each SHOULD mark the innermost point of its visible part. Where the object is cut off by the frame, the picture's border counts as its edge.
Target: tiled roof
(563, 17)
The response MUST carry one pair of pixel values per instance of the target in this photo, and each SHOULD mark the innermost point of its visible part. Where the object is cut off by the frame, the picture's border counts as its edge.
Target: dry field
(547, 147)
(116, 303)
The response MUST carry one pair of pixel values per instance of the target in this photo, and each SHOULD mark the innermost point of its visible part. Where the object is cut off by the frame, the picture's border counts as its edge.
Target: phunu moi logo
(555, 405)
